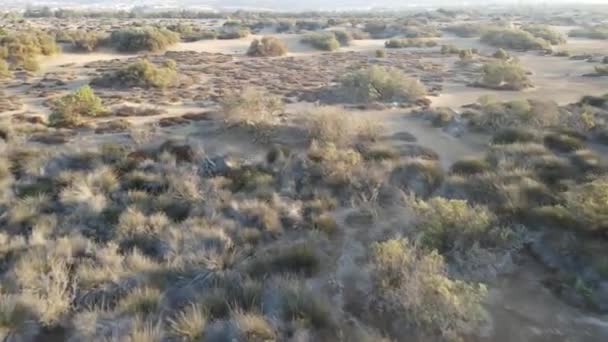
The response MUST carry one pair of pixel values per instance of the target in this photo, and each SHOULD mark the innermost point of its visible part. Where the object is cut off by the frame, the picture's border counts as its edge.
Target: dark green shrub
(143, 39)
(325, 41)
(546, 33)
(513, 39)
(343, 37)
(141, 73)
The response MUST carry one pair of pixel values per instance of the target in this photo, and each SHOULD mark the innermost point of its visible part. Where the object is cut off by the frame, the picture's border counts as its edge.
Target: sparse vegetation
(325, 41)
(507, 75)
(592, 32)
(251, 107)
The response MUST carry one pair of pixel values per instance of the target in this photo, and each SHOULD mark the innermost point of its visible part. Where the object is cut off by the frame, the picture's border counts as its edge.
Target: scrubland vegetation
(593, 32)
(345, 196)
(142, 39)
(267, 47)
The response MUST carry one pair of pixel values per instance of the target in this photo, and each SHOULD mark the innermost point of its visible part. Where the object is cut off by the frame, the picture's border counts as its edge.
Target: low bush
(141, 73)
(513, 39)
(421, 177)
(4, 70)
(142, 39)
(267, 47)
(513, 135)
(501, 54)
(20, 48)
(409, 42)
(414, 285)
(87, 40)
(69, 110)
(251, 107)
(546, 33)
(506, 75)
(468, 30)
(233, 33)
(470, 166)
(563, 142)
(343, 37)
(588, 203)
(591, 32)
(337, 126)
(384, 84)
(525, 114)
(325, 41)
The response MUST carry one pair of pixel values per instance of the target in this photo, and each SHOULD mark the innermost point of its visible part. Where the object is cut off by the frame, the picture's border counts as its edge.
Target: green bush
(234, 33)
(4, 70)
(592, 32)
(20, 48)
(563, 142)
(142, 73)
(343, 37)
(142, 39)
(444, 224)
(380, 53)
(526, 114)
(513, 135)
(325, 41)
(508, 75)
(397, 43)
(546, 33)
(601, 70)
(251, 107)
(87, 40)
(69, 109)
(415, 284)
(588, 203)
(378, 83)
(449, 50)
(470, 166)
(501, 54)
(267, 47)
(513, 39)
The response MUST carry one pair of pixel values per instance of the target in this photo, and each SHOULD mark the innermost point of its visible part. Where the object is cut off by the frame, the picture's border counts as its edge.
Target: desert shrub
(343, 37)
(233, 33)
(385, 84)
(69, 110)
(267, 47)
(380, 53)
(449, 50)
(414, 285)
(251, 107)
(142, 39)
(338, 167)
(325, 41)
(601, 70)
(588, 203)
(87, 40)
(25, 45)
(253, 327)
(592, 32)
(516, 114)
(299, 258)
(141, 301)
(306, 306)
(513, 39)
(141, 73)
(189, 323)
(469, 30)
(337, 126)
(470, 166)
(508, 75)
(546, 33)
(563, 142)
(445, 224)
(512, 135)
(501, 54)
(396, 43)
(4, 70)
(195, 36)
(419, 176)
(30, 64)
